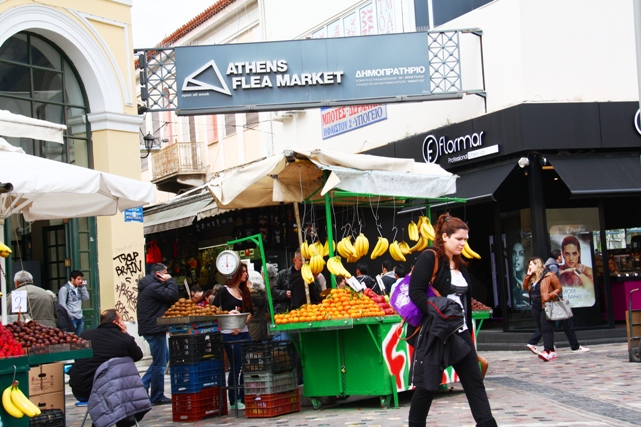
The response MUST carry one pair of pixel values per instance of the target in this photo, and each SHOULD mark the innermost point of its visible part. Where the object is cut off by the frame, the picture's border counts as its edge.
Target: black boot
(487, 423)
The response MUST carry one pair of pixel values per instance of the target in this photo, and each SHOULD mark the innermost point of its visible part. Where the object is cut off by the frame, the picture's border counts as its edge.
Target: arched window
(38, 80)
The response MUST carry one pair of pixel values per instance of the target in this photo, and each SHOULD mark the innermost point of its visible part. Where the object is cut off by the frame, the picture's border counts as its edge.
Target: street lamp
(149, 144)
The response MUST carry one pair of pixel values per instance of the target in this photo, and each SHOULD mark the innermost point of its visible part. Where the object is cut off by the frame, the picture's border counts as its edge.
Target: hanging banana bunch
(346, 249)
(306, 273)
(316, 264)
(304, 250)
(469, 253)
(395, 252)
(412, 231)
(380, 248)
(426, 229)
(335, 266)
(362, 245)
(326, 247)
(404, 247)
(5, 251)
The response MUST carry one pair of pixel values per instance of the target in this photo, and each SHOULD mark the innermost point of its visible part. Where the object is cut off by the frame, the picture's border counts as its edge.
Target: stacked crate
(195, 370)
(271, 381)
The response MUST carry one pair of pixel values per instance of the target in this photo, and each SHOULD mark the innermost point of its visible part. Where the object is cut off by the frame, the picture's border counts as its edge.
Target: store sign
(302, 73)
(458, 149)
(133, 214)
(338, 120)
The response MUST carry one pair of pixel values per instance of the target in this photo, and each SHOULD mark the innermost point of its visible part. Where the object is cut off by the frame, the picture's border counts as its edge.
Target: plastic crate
(268, 383)
(272, 405)
(196, 406)
(48, 418)
(192, 378)
(269, 356)
(191, 349)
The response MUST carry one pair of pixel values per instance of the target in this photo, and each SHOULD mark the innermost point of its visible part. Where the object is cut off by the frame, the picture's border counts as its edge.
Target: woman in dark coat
(452, 281)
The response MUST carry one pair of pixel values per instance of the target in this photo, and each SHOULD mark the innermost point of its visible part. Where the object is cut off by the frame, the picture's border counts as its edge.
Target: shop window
(230, 124)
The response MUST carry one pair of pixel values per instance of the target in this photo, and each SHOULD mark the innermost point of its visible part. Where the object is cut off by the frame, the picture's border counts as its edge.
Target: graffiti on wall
(129, 270)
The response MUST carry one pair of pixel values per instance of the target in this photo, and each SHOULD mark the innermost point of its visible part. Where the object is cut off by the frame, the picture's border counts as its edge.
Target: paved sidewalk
(599, 388)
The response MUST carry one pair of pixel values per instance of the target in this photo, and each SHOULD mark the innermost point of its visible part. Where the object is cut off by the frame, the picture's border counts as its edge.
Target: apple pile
(8, 345)
(380, 301)
(32, 334)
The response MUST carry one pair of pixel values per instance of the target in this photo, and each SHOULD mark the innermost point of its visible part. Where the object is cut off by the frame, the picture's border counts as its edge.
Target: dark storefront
(538, 175)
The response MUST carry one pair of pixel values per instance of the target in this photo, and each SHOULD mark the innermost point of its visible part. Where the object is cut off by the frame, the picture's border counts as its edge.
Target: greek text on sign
(335, 121)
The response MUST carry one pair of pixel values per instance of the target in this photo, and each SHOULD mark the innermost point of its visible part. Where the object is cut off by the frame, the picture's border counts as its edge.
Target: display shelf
(39, 359)
(328, 325)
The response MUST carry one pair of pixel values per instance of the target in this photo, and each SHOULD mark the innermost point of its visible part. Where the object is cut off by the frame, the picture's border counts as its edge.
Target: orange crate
(271, 405)
(196, 406)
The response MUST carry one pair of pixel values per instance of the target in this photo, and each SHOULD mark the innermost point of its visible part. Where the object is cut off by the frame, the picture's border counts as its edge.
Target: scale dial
(227, 262)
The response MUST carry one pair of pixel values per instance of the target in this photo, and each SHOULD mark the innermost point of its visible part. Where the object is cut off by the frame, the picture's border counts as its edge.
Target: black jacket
(439, 344)
(63, 321)
(154, 298)
(108, 341)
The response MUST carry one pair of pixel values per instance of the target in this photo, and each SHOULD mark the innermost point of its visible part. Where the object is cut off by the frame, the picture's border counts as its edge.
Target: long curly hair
(448, 224)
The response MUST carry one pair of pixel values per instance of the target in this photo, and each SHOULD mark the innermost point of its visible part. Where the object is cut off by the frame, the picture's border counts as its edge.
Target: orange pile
(339, 304)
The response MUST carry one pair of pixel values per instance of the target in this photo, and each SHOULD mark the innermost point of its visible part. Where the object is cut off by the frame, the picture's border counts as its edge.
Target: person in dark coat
(157, 291)
(64, 322)
(453, 282)
(109, 340)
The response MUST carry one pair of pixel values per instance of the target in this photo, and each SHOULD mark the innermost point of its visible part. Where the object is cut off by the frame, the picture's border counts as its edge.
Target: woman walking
(543, 288)
(452, 281)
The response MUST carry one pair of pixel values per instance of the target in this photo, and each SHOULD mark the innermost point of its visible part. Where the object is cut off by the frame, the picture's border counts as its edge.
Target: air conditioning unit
(281, 116)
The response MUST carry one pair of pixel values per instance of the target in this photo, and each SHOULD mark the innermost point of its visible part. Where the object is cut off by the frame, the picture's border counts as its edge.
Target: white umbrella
(15, 125)
(47, 189)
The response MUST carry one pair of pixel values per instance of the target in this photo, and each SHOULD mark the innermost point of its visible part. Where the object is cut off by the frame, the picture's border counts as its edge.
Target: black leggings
(470, 375)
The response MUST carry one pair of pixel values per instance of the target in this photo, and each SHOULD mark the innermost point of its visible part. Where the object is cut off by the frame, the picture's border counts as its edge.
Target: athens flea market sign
(302, 73)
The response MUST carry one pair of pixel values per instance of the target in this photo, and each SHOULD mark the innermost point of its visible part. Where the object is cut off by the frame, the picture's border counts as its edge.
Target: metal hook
(15, 371)
(395, 230)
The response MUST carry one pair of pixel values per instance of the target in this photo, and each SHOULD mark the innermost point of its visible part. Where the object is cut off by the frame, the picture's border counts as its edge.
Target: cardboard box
(46, 378)
(50, 400)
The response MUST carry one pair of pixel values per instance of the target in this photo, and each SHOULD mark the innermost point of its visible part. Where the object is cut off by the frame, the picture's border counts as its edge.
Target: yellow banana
(8, 404)
(362, 245)
(404, 247)
(466, 254)
(412, 231)
(331, 266)
(316, 264)
(420, 245)
(395, 252)
(304, 250)
(319, 248)
(380, 248)
(421, 220)
(350, 248)
(306, 273)
(5, 250)
(342, 270)
(25, 405)
(326, 247)
(470, 251)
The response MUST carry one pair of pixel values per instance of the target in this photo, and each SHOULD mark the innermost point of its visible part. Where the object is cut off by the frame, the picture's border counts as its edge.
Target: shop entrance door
(54, 246)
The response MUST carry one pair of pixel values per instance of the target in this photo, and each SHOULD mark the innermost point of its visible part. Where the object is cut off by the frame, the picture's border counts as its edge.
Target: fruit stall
(350, 344)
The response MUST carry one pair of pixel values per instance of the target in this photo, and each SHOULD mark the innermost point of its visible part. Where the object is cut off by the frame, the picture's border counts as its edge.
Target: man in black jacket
(108, 341)
(157, 291)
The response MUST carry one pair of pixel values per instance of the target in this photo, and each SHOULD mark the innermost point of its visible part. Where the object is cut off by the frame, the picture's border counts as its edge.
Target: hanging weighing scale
(228, 263)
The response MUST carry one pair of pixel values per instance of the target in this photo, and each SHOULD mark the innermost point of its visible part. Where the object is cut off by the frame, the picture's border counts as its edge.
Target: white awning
(17, 126)
(180, 216)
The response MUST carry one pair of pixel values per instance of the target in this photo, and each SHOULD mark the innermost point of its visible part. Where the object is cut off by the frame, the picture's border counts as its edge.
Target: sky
(153, 20)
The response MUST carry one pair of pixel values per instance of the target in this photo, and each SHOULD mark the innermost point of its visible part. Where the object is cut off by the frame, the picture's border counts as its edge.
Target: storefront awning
(587, 176)
(480, 186)
(178, 217)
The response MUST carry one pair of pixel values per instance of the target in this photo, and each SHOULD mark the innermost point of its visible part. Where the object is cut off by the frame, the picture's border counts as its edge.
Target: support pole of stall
(300, 244)
(3, 283)
(330, 229)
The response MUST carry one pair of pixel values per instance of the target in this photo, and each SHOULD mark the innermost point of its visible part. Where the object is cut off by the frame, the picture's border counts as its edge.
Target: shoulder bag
(558, 310)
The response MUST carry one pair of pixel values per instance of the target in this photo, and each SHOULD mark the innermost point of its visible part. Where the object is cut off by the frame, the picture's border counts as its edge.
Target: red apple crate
(196, 406)
(271, 405)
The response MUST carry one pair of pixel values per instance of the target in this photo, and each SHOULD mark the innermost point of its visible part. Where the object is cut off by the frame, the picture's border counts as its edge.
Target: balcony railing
(181, 158)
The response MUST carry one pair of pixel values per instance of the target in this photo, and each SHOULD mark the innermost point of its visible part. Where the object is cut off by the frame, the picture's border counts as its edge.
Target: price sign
(19, 301)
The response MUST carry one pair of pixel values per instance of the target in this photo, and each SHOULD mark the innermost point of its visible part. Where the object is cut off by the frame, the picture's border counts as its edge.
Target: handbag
(403, 305)
(558, 310)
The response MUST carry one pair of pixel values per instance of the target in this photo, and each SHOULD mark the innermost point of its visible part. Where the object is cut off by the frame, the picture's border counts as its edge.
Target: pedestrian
(297, 285)
(71, 296)
(387, 275)
(365, 279)
(552, 264)
(260, 317)
(40, 305)
(235, 298)
(543, 287)
(63, 320)
(198, 296)
(157, 291)
(432, 353)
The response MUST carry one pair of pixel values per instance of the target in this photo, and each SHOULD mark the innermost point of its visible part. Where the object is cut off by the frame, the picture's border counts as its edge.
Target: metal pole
(300, 243)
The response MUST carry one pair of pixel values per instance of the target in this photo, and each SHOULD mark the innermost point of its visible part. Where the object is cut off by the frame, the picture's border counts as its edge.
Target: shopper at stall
(157, 291)
(543, 287)
(109, 340)
(362, 276)
(40, 305)
(198, 296)
(297, 285)
(235, 298)
(452, 282)
(260, 317)
(387, 275)
(71, 296)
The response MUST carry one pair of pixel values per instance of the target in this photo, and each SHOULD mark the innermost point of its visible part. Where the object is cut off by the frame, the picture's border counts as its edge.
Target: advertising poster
(576, 272)
(519, 251)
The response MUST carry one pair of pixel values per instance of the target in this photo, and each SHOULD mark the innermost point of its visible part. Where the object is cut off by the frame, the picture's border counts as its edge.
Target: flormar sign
(465, 147)
(303, 73)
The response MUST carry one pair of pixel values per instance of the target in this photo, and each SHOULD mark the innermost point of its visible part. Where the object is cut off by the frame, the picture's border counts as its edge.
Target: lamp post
(149, 144)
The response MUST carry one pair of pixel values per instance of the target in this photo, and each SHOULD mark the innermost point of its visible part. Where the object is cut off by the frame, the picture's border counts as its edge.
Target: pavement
(599, 388)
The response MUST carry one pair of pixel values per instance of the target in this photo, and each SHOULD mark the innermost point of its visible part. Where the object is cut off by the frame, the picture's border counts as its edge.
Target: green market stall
(364, 356)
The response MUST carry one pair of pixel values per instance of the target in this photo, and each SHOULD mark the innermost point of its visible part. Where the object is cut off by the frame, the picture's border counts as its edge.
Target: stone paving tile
(600, 388)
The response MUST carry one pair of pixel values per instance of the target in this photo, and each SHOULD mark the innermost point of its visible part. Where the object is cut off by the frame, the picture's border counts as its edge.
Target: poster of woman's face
(575, 272)
(520, 298)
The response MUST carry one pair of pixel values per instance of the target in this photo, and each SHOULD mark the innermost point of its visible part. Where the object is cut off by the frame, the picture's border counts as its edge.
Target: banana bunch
(316, 263)
(412, 231)
(326, 247)
(335, 266)
(306, 273)
(404, 247)
(425, 228)
(361, 245)
(16, 403)
(469, 253)
(5, 251)
(396, 252)
(380, 248)
(347, 250)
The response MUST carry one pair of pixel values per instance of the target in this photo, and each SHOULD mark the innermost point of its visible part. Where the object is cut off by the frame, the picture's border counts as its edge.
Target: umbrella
(15, 125)
(47, 189)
